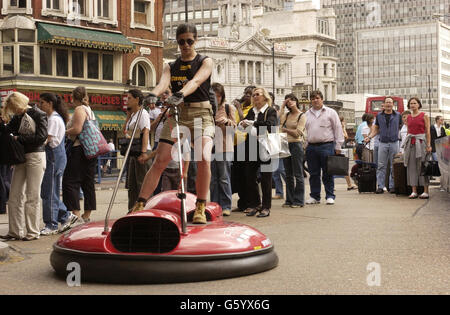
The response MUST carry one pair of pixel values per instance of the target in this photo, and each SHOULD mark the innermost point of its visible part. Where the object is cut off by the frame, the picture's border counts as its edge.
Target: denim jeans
(316, 156)
(386, 152)
(276, 177)
(221, 180)
(295, 183)
(54, 210)
(5, 185)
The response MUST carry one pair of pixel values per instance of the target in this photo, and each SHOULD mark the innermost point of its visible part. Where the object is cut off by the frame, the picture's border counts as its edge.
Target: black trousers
(249, 189)
(79, 172)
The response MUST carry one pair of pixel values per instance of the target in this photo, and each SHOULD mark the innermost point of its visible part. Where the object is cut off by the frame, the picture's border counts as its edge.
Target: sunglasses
(189, 41)
(256, 94)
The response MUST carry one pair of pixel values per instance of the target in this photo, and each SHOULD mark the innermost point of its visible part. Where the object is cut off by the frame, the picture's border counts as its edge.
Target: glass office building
(355, 15)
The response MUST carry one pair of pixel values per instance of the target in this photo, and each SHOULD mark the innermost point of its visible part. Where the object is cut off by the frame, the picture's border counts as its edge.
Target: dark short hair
(57, 104)
(186, 28)
(416, 99)
(292, 96)
(218, 88)
(364, 117)
(250, 87)
(137, 94)
(369, 117)
(384, 101)
(315, 93)
(437, 118)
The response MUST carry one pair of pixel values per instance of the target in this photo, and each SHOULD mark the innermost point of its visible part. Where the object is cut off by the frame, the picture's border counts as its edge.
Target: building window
(20, 4)
(139, 75)
(79, 7)
(103, 9)
(8, 60)
(143, 14)
(325, 69)
(77, 64)
(9, 36)
(26, 58)
(258, 73)
(108, 66)
(16, 6)
(26, 36)
(308, 69)
(53, 4)
(45, 60)
(62, 63)
(92, 64)
(242, 71)
(250, 72)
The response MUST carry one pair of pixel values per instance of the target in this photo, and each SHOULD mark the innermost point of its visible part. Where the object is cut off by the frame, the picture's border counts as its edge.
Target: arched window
(142, 73)
(139, 75)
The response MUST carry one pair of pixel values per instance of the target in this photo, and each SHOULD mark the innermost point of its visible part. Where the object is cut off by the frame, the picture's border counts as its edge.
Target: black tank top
(181, 72)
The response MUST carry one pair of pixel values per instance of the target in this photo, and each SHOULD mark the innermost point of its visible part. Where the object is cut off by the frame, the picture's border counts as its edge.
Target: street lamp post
(273, 68)
(429, 96)
(186, 10)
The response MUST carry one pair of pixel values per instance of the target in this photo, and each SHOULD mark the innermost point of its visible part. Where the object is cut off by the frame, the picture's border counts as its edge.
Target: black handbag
(13, 151)
(430, 167)
(337, 165)
(136, 146)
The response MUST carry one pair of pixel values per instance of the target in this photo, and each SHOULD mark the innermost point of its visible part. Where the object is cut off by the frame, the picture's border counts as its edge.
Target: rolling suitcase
(400, 180)
(367, 176)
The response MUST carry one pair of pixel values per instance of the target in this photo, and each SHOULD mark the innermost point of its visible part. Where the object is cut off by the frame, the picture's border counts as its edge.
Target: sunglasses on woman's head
(189, 41)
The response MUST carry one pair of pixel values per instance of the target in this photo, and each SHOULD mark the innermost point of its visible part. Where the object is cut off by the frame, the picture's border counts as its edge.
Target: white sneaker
(385, 189)
(68, 224)
(47, 232)
(330, 201)
(312, 201)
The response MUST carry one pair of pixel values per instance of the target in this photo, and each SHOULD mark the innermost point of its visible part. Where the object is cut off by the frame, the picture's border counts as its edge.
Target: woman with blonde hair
(80, 171)
(261, 115)
(29, 127)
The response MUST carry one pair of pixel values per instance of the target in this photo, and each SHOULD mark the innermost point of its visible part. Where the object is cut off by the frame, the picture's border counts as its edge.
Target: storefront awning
(80, 37)
(108, 120)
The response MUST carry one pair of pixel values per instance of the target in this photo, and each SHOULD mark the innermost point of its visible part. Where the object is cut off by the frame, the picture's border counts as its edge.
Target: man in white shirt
(324, 137)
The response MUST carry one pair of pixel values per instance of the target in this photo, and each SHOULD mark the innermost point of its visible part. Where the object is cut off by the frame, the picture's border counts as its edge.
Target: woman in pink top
(417, 145)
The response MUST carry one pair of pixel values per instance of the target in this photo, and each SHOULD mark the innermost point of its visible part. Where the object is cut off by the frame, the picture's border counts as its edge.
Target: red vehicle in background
(374, 104)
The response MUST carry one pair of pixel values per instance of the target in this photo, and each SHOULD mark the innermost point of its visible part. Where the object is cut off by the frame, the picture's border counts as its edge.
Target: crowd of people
(229, 156)
(408, 137)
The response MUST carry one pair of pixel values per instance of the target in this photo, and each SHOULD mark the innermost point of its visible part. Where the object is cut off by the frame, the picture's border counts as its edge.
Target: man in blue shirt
(388, 124)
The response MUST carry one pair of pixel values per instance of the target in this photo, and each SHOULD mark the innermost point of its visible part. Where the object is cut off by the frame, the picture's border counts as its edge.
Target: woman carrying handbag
(29, 127)
(261, 115)
(417, 145)
(80, 171)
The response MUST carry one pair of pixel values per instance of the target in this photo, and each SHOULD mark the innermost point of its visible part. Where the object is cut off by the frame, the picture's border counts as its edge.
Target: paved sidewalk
(322, 250)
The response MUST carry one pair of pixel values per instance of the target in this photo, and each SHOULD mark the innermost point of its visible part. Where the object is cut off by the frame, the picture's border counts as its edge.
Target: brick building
(108, 46)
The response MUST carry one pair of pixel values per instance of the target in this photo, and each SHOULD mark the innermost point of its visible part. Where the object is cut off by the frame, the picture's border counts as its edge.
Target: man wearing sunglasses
(190, 79)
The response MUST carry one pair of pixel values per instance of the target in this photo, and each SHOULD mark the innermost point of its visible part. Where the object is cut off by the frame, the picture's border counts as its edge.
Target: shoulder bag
(92, 140)
(273, 145)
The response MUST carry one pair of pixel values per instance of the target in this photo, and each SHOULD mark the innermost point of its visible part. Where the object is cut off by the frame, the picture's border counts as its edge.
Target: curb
(4, 249)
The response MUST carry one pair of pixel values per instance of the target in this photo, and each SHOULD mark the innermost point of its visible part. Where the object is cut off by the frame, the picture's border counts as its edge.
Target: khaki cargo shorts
(199, 121)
